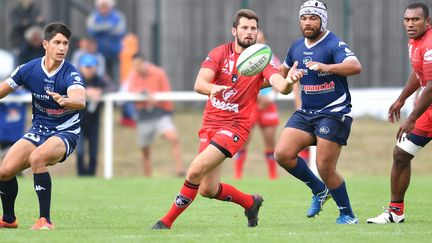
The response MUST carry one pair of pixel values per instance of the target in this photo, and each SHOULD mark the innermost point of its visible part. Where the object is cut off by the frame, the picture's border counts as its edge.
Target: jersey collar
(316, 43)
(46, 72)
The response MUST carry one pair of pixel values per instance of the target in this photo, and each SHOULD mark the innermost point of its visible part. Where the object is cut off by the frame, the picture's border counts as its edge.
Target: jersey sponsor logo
(319, 88)
(32, 136)
(182, 201)
(48, 81)
(228, 66)
(40, 188)
(225, 106)
(41, 96)
(324, 130)
(308, 53)
(348, 52)
(228, 93)
(428, 56)
(341, 43)
(74, 73)
(77, 78)
(53, 112)
(226, 132)
(323, 74)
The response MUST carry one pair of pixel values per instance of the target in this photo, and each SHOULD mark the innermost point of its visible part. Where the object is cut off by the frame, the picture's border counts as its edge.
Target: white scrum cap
(316, 8)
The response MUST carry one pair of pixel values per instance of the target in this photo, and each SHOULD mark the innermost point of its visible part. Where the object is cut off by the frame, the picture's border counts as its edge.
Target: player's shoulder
(334, 41)
(224, 48)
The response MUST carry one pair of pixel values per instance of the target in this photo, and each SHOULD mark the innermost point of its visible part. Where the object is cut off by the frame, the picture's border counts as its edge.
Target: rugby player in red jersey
(226, 120)
(416, 131)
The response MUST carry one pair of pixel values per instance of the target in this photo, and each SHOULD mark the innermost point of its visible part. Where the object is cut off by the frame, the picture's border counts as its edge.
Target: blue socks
(303, 173)
(340, 196)
(8, 194)
(42, 186)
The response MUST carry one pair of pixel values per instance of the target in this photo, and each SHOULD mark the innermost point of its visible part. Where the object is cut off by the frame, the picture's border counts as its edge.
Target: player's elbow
(356, 69)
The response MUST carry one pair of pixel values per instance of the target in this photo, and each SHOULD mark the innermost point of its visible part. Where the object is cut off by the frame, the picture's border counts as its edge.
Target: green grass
(123, 209)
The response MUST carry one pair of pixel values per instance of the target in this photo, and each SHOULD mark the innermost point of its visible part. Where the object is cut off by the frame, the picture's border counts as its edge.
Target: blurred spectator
(33, 47)
(88, 45)
(108, 26)
(24, 15)
(153, 116)
(95, 86)
(130, 48)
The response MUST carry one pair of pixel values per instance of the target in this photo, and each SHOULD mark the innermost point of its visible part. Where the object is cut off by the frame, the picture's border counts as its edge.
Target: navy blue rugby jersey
(322, 93)
(48, 114)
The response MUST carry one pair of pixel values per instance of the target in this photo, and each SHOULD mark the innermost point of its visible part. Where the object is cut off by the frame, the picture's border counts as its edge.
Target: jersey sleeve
(270, 70)
(212, 61)
(16, 78)
(427, 65)
(288, 59)
(342, 52)
(74, 80)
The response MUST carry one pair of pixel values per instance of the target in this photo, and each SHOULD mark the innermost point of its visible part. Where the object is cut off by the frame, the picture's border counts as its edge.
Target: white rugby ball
(254, 59)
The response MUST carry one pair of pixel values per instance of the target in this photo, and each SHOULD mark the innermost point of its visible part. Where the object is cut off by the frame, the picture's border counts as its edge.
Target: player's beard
(314, 34)
(244, 44)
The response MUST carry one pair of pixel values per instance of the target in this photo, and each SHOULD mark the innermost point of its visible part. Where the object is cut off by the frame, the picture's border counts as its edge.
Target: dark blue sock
(42, 183)
(303, 173)
(340, 196)
(8, 193)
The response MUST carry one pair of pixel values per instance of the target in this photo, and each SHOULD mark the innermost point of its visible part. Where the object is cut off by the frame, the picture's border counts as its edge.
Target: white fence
(372, 102)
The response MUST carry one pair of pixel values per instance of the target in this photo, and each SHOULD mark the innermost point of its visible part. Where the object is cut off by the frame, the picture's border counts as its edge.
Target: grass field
(123, 210)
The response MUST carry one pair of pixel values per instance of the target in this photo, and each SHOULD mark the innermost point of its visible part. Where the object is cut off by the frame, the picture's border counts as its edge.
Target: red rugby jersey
(233, 107)
(420, 53)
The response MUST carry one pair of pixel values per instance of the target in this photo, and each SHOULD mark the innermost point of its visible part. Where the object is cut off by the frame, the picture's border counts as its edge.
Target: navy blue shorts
(324, 126)
(38, 136)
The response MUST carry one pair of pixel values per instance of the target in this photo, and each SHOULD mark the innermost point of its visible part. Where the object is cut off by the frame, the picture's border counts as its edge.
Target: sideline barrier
(371, 102)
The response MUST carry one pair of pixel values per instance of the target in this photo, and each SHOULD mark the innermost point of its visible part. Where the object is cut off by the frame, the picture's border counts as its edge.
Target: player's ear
(234, 31)
(45, 44)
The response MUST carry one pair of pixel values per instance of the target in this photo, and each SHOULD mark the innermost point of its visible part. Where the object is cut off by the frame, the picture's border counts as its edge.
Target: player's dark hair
(55, 28)
(246, 13)
(423, 6)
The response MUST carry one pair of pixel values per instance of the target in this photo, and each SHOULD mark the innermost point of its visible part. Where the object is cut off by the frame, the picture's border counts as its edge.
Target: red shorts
(267, 116)
(225, 140)
(423, 125)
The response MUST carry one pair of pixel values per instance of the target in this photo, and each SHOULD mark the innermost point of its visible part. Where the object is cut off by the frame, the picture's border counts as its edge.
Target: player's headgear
(316, 8)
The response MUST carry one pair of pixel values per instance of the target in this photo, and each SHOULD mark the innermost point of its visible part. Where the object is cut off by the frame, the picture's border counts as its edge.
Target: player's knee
(6, 174)
(282, 157)
(207, 191)
(36, 159)
(401, 157)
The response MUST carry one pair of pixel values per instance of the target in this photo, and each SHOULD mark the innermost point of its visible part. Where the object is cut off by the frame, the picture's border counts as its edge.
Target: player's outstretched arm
(203, 83)
(75, 100)
(5, 89)
(346, 68)
(285, 85)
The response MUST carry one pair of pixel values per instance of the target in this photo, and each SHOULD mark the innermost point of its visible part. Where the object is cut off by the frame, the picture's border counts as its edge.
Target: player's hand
(317, 66)
(217, 89)
(294, 75)
(57, 98)
(394, 111)
(406, 127)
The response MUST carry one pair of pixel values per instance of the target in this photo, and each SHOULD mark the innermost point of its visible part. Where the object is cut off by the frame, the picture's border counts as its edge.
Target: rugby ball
(254, 59)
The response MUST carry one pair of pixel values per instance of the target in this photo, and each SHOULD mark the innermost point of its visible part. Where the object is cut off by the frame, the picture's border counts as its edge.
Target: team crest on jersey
(49, 87)
(228, 93)
(307, 59)
(236, 138)
(234, 78)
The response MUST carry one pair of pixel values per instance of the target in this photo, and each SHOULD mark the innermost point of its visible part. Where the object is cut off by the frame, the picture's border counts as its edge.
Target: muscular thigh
(327, 152)
(17, 158)
(293, 140)
(52, 151)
